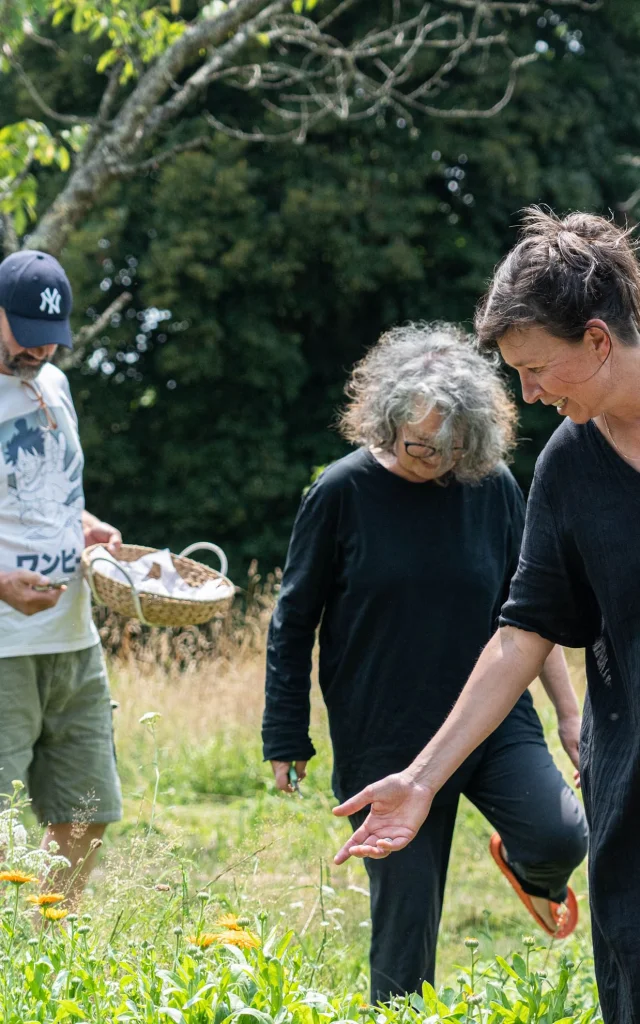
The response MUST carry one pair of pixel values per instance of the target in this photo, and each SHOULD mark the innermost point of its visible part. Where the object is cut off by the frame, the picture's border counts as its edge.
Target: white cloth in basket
(168, 584)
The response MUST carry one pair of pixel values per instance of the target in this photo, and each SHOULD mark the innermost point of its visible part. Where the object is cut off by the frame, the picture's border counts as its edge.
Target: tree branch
(525, 7)
(197, 82)
(458, 113)
(152, 164)
(49, 44)
(312, 69)
(104, 110)
(8, 237)
(127, 134)
(297, 134)
(40, 102)
(86, 334)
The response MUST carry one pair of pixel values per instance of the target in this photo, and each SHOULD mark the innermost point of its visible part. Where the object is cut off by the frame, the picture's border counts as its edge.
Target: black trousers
(521, 792)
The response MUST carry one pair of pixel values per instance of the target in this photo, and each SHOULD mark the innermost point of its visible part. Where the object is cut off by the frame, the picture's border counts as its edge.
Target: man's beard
(20, 366)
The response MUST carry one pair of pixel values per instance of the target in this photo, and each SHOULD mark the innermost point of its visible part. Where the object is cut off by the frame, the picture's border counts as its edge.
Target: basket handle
(206, 545)
(134, 593)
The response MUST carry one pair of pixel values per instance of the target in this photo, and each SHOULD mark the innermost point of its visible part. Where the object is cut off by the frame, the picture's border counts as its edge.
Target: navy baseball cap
(36, 296)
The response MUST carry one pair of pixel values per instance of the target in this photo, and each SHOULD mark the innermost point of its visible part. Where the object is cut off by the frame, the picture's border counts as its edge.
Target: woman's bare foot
(543, 908)
(541, 905)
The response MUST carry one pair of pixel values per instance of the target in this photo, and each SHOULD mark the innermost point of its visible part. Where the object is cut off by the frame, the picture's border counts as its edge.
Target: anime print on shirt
(41, 503)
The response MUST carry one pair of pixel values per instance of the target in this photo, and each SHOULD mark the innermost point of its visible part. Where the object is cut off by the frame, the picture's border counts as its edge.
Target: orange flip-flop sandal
(566, 914)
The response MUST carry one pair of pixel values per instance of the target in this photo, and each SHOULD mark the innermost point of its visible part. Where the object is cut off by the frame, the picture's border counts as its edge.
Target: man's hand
(399, 806)
(281, 772)
(569, 733)
(96, 532)
(16, 589)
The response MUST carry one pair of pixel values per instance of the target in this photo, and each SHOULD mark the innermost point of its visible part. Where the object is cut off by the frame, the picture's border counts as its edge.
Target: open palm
(399, 806)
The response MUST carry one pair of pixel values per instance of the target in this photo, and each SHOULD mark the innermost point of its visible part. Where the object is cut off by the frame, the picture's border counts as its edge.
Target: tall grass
(205, 834)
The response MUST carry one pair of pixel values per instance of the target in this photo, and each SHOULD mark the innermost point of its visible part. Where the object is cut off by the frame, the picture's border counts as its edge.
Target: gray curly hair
(420, 367)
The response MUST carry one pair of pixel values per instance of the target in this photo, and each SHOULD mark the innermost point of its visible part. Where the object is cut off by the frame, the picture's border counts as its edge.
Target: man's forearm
(557, 682)
(89, 520)
(508, 665)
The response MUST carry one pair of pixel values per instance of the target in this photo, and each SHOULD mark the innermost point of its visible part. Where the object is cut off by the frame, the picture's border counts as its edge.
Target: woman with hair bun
(564, 311)
(405, 549)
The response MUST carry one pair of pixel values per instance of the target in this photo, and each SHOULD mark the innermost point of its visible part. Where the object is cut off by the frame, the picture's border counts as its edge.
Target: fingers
(301, 769)
(353, 804)
(115, 543)
(281, 774)
(371, 847)
(574, 755)
(577, 780)
(29, 578)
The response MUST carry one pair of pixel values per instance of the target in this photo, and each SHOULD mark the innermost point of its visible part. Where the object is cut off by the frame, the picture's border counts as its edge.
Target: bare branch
(314, 66)
(128, 134)
(197, 82)
(101, 122)
(524, 7)
(152, 164)
(86, 334)
(49, 44)
(297, 134)
(459, 113)
(41, 103)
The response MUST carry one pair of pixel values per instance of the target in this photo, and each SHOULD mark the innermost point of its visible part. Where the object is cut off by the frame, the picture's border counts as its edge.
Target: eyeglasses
(427, 453)
(36, 395)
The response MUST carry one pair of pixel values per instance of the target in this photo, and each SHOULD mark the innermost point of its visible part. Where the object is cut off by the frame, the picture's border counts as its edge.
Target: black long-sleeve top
(408, 580)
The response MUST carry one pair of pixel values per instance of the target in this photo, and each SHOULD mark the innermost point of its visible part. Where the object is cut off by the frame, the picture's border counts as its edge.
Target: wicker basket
(153, 609)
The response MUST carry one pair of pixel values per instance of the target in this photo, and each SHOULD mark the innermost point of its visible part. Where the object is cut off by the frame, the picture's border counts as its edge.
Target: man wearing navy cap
(55, 728)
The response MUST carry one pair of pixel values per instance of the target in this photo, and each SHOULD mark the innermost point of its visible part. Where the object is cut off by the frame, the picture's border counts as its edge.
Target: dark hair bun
(562, 273)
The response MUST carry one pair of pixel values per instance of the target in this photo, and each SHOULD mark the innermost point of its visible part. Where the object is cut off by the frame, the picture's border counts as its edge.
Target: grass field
(216, 798)
(206, 836)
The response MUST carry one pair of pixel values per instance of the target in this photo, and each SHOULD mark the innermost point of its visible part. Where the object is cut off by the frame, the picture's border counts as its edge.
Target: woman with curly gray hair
(405, 549)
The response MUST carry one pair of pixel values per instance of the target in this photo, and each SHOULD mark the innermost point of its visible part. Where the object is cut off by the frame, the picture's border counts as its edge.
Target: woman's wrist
(422, 773)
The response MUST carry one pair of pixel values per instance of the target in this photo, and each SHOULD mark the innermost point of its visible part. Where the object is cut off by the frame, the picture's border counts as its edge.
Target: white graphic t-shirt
(41, 503)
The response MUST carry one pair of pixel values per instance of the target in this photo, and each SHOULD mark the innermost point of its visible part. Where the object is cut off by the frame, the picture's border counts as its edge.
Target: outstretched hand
(399, 806)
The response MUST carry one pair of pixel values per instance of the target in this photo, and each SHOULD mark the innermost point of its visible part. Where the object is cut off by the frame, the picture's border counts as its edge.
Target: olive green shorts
(56, 735)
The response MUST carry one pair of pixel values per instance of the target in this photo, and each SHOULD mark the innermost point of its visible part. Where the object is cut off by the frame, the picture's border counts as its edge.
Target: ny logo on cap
(50, 299)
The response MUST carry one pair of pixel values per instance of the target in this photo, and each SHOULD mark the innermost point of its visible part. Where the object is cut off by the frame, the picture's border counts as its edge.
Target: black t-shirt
(578, 584)
(408, 579)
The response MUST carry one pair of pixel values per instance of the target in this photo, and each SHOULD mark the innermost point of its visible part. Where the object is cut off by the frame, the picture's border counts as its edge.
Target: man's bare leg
(79, 844)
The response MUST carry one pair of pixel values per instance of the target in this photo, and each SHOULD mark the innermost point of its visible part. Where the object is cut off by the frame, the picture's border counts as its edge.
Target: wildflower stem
(324, 929)
(14, 921)
(156, 769)
(72, 951)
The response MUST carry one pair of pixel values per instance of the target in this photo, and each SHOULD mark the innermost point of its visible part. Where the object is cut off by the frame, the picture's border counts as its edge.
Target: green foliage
(166, 950)
(278, 266)
(22, 144)
(133, 30)
(260, 273)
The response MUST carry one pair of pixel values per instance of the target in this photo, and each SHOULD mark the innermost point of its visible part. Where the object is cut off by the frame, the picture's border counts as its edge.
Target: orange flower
(46, 899)
(230, 922)
(54, 913)
(17, 877)
(242, 938)
(203, 940)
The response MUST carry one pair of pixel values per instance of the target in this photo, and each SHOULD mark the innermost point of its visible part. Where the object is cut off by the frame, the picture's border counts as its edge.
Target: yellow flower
(203, 940)
(46, 899)
(242, 938)
(54, 913)
(229, 921)
(17, 877)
